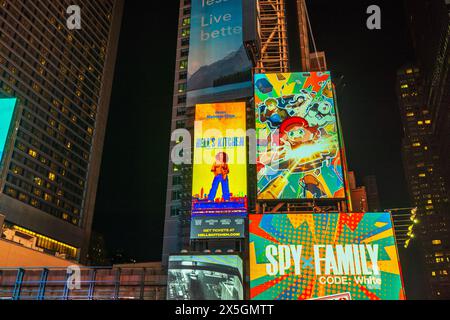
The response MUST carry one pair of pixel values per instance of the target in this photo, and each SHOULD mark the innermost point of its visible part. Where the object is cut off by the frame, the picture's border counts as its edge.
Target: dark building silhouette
(426, 185)
(373, 198)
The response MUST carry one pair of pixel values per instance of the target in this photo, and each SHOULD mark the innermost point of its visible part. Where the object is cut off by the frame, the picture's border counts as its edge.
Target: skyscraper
(63, 81)
(429, 22)
(426, 185)
(274, 57)
(373, 199)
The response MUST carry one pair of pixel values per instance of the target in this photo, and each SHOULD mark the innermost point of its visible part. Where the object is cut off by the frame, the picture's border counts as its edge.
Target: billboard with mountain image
(218, 68)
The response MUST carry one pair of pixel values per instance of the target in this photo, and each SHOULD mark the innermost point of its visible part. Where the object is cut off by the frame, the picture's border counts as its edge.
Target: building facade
(62, 79)
(424, 176)
(274, 57)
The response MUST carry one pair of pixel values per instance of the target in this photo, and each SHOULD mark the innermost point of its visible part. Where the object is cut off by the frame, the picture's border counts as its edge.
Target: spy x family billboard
(298, 149)
(219, 185)
(218, 65)
(326, 256)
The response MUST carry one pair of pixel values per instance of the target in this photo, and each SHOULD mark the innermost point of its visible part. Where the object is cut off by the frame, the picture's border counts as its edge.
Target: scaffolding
(272, 30)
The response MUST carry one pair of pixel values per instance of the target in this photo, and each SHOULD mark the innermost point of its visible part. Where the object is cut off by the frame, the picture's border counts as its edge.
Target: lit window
(183, 64)
(186, 22)
(182, 87)
(419, 122)
(410, 114)
(185, 32)
(409, 71)
(34, 202)
(32, 153)
(436, 242)
(428, 121)
(51, 176)
(404, 86)
(416, 144)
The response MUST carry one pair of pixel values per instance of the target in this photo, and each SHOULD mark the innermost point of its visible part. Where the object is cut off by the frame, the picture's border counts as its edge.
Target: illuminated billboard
(328, 256)
(205, 277)
(298, 150)
(219, 184)
(218, 65)
(223, 227)
(7, 106)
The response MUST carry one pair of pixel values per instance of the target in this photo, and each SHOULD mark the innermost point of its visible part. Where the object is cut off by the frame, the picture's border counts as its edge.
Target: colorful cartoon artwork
(298, 150)
(329, 256)
(219, 183)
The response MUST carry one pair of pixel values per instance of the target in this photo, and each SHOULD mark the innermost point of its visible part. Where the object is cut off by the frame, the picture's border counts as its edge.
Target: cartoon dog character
(319, 114)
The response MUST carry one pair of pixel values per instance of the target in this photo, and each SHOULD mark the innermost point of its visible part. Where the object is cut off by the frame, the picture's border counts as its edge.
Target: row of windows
(57, 132)
(34, 195)
(38, 146)
(41, 11)
(38, 55)
(45, 181)
(39, 204)
(51, 88)
(62, 177)
(49, 105)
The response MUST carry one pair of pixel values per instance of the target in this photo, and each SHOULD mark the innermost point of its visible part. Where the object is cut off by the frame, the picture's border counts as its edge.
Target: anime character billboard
(298, 150)
(219, 184)
(325, 256)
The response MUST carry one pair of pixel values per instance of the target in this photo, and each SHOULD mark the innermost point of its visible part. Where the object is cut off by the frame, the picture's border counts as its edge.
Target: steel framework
(272, 30)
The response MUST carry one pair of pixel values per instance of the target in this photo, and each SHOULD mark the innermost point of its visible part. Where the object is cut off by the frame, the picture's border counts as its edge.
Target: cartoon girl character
(295, 132)
(220, 170)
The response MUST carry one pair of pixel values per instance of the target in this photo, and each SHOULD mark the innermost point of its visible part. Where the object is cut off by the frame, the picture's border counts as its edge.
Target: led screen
(7, 106)
(298, 150)
(326, 256)
(218, 66)
(224, 227)
(219, 184)
(205, 277)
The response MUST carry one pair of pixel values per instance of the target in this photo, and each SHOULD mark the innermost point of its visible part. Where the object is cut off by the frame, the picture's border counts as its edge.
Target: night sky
(132, 188)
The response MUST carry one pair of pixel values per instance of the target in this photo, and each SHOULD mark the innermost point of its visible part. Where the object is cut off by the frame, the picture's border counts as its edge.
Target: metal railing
(93, 283)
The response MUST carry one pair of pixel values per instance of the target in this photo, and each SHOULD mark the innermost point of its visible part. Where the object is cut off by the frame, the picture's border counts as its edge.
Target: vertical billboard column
(298, 150)
(219, 185)
(331, 256)
(218, 67)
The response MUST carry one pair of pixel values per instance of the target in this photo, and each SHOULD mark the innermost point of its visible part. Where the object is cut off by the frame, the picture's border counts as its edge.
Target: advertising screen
(205, 277)
(298, 150)
(7, 106)
(224, 227)
(345, 256)
(218, 66)
(219, 184)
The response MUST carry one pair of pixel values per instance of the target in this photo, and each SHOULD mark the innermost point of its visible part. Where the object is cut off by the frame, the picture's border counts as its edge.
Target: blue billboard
(7, 106)
(219, 68)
